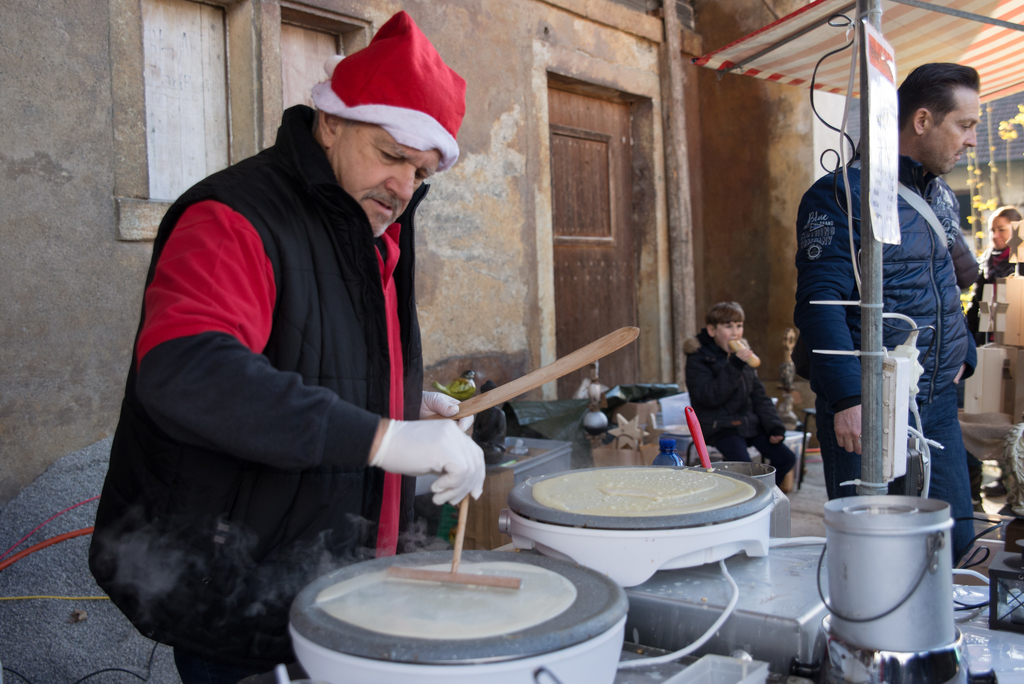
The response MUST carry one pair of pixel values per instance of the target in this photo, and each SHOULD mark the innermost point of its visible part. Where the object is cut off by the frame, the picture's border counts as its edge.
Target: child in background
(730, 402)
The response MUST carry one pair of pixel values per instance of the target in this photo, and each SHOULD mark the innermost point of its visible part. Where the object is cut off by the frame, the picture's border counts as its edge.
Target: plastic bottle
(667, 454)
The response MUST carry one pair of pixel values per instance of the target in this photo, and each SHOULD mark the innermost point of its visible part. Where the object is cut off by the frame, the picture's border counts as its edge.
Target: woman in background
(994, 263)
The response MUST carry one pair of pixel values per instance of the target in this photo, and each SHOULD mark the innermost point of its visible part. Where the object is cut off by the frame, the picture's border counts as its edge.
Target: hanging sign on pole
(883, 136)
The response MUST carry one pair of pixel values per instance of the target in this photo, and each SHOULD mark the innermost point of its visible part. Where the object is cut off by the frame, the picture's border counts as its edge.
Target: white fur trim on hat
(410, 127)
(332, 62)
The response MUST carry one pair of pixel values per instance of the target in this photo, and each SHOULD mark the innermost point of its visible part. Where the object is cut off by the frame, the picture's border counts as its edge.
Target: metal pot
(890, 573)
(765, 474)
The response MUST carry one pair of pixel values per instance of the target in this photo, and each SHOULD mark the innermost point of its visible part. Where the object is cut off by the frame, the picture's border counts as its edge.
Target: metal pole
(871, 285)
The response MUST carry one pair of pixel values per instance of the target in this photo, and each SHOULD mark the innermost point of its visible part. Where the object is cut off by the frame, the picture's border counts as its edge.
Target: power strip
(895, 412)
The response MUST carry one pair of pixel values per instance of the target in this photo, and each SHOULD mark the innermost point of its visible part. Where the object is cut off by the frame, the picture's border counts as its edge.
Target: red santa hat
(401, 84)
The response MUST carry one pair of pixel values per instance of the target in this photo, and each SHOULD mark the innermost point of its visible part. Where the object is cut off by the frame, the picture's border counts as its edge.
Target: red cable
(43, 544)
(55, 515)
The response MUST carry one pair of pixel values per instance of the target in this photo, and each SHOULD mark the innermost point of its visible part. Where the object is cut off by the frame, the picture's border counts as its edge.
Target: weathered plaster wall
(755, 146)
(72, 289)
(488, 301)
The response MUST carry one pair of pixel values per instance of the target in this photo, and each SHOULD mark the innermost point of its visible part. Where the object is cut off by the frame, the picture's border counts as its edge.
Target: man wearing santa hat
(270, 427)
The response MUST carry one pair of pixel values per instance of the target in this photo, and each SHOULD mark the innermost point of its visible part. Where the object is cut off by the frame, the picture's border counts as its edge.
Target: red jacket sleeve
(213, 275)
(202, 377)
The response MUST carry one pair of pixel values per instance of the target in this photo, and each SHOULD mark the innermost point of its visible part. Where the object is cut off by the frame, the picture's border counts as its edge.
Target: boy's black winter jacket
(726, 394)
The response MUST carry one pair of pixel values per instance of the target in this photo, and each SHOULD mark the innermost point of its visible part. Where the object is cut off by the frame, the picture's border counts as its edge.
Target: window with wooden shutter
(187, 129)
(183, 110)
(303, 53)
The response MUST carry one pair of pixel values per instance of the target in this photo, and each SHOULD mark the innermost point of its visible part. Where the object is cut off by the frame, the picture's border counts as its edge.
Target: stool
(808, 414)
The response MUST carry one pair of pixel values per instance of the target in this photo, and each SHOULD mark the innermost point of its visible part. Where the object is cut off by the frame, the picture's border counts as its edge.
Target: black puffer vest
(206, 551)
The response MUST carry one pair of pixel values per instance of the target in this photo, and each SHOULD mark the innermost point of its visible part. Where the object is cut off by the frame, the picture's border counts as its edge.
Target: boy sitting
(729, 400)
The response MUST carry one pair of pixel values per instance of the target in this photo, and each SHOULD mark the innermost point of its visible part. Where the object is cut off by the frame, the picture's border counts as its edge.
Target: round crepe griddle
(600, 603)
(521, 500)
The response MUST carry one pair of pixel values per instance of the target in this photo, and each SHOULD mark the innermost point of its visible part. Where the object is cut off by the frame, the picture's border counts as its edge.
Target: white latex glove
(438, 404)
(433, 447)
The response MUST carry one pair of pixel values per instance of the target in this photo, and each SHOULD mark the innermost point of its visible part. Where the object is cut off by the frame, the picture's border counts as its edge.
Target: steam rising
(152, 568)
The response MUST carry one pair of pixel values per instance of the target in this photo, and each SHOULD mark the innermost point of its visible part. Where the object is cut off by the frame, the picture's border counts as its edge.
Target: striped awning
(786, 50)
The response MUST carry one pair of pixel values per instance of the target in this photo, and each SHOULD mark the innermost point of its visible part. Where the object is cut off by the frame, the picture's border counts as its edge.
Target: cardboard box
(481, 521)
(1011, 291)
(644, 410)
(1010, 374)
(1017, 380)
(984, 392)
(610, 456)
(660, 427)
(654, 433)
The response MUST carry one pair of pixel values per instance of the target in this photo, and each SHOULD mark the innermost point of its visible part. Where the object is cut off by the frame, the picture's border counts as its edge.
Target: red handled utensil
(698, 437)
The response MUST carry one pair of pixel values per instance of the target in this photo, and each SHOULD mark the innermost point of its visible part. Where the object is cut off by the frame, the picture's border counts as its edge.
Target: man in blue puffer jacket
(938, 114)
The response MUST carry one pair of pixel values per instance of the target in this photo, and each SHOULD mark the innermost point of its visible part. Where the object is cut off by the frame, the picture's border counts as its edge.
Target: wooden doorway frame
(641, 91)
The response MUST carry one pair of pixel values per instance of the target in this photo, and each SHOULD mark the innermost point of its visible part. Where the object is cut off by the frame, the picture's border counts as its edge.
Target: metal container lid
(600, 603)
(521, 500)
(886, 515)
(762, 472)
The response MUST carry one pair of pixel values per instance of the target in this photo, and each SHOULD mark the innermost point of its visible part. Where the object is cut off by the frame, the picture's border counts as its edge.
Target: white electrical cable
(794, 541)
(971, 615)
(902, 317)
(926, 451)
(963, 614)
(931, 442)
(687, 650)
(972, 573)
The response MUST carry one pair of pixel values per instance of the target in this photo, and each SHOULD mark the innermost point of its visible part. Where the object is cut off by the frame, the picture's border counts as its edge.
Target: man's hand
(959, 373)
(847, 424)
(435, 403)
(431, 447)
(775, 439)
(744, 354)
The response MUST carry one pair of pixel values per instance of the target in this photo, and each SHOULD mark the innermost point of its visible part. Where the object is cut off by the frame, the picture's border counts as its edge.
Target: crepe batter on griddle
(640, 492)
(438, 610)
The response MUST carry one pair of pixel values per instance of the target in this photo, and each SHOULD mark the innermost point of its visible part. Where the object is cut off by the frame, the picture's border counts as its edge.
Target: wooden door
(595, 252)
